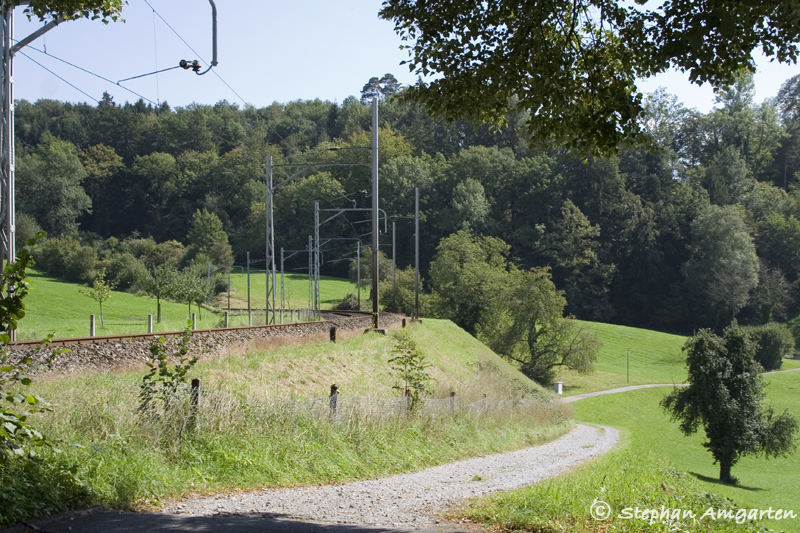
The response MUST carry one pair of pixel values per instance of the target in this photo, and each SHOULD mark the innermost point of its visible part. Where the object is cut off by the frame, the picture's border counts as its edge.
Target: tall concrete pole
(416, 252)
(375, 244)
(270, 263)
(394, 261)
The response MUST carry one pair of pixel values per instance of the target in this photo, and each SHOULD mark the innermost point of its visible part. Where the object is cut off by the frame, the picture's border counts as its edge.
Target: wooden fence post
(91, 326)
(194, 399)
(333, 401)
(149, 323)
(333, 333)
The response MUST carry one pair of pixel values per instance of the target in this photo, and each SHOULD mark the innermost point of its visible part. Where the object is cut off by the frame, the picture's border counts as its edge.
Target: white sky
(269, 50)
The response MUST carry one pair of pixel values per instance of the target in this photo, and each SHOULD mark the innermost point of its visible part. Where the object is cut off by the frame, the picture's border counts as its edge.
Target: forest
(694, 227)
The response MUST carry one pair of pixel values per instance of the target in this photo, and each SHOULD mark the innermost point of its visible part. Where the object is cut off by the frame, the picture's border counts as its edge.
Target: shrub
(126, 271)
(348, 303)
(65, 257)
(774, 341)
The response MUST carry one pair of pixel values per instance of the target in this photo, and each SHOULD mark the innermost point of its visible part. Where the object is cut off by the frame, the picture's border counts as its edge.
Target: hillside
(633, 356)
(264, 420)
(56, 306)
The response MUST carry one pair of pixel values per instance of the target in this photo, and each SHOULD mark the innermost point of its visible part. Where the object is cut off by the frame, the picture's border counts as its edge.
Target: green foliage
(49, 185)
(99, 291)
(164, 388)
(348, 303)
(207, 239)
(773, 341)
(724, 396)
(576, 74)
(401, 298)
(526, 324)
(467, 274)
(104, 10)
(410, 367)
(67, 258)
(723, 266)
(16, 432)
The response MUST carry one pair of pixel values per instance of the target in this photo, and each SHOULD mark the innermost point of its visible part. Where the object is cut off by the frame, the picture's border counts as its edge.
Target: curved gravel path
(412, 500)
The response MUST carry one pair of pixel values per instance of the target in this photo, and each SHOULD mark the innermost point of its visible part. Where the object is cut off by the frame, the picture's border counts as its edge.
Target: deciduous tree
(724, 397)
(573, 64)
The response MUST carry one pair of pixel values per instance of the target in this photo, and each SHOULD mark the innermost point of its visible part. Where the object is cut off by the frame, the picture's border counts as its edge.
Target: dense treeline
(700, 227)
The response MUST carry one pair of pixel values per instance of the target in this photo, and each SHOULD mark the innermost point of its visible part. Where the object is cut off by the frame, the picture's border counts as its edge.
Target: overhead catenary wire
(179, 36)
(59, 77)
(82, 69)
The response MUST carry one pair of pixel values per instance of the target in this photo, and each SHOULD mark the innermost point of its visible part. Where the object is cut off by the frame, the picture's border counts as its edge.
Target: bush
(65, 257)
(401, 298)
(774, 341)
(125, 271)
(348, 303)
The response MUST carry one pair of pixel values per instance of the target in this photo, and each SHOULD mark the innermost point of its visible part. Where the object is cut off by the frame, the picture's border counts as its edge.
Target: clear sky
(268, 51)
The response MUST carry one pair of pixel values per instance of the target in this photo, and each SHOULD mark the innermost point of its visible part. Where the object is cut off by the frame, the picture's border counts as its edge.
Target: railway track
(327, 316)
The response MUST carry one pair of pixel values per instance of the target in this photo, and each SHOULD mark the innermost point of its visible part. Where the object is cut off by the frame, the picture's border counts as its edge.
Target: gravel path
(412, 500)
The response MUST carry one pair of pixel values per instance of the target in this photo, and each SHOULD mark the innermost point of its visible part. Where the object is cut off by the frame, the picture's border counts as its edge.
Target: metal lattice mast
(7, 232)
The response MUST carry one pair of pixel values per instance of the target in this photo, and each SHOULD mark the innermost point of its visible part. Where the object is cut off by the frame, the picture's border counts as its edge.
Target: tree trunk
(725, 471)
(158, 309)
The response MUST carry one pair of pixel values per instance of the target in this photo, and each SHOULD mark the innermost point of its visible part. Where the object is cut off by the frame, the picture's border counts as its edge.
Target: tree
(467, 273)
(526, 324)
(49, 185)
(159, 283)
(104, 10)
(573, 64)
(379, 88)
(207, 239)
(100, 291)
(723, 266)
(724, 396)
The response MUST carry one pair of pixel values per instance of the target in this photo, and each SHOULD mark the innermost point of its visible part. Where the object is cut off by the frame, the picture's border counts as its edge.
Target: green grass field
(332, 290)
(58, 307)
(633, 356)
(656, 465)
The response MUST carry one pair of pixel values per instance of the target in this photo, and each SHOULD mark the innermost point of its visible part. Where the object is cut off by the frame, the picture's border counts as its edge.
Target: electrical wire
(48, 54)
(60, 78)
(194, 51)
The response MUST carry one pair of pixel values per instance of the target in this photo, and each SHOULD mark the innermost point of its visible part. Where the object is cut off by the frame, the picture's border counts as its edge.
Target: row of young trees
(692, 231)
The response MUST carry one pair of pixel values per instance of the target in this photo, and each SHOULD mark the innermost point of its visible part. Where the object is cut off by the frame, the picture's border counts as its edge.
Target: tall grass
(265, 420)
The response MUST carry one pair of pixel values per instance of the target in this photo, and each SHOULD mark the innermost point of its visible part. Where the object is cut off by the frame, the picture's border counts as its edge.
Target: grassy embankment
(259, 427)
(633, 356)
(656, 465)
(59, 307)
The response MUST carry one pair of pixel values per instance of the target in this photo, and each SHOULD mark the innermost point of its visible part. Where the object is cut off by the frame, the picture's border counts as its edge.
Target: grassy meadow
(58, 307)
(265, 421)
(634, 356)
(655, 466)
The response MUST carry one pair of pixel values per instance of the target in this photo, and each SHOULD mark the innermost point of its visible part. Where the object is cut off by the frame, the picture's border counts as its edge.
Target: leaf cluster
(16, 433)
(410, 366)
(164, 385)
(573, 64)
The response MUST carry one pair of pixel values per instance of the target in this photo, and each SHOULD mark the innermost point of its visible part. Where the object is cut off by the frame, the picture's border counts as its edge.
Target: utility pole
(358, 273)
(7, 208)
(270, 246)
(394, 262)
(375, 244)
(416, 252)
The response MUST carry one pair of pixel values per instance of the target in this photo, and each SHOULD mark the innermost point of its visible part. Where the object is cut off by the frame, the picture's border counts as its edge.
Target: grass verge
(265, 421)
(655, 466)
